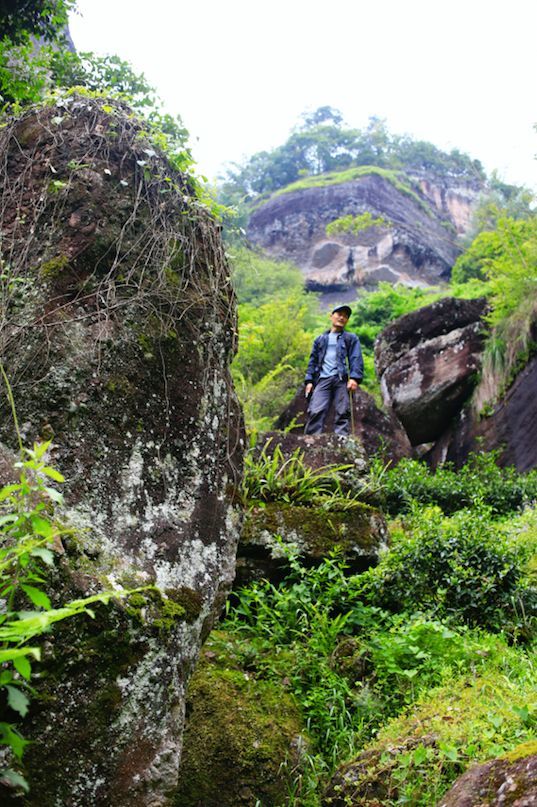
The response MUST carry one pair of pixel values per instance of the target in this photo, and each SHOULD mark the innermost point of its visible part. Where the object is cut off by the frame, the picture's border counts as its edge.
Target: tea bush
(463, 567)
(481, 482)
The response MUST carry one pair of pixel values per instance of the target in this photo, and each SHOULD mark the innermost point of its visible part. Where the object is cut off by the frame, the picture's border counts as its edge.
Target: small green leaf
(45, 554)
(13, 779)
(13, 653)
(17, 700)
(420, 755)
(7, 490)
(38, 597)
(53, 494)
(41, 526)
(53, 473)
(449, 751)
(23, 667)
(11, 737)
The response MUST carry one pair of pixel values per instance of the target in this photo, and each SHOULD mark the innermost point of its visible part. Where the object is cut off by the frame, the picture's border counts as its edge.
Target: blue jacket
(348, 349)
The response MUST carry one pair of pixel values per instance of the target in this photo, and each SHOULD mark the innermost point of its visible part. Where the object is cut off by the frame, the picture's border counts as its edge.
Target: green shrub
(481, 482)
(463, 567)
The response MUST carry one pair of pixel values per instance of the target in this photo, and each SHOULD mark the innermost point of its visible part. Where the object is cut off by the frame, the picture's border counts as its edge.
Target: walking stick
(352, 413)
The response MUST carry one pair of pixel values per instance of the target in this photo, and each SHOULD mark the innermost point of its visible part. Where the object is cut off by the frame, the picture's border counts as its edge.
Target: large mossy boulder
(117, 331)
(243, 736)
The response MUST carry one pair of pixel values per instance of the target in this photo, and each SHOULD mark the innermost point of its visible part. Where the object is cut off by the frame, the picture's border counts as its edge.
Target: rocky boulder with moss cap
(118, 328)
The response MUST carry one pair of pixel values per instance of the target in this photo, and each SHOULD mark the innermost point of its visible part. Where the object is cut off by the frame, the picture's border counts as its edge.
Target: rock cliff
(118, 327)
(428, 363)
(417, 244)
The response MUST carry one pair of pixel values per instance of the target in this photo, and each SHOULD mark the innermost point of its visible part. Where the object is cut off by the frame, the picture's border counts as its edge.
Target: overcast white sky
(460, 73)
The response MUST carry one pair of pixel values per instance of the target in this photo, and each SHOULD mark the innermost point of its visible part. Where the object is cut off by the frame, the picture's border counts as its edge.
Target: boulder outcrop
(313, 530)
(427, 363)
(417, 243)
(510, 781)
(117, 331)
(378, 432)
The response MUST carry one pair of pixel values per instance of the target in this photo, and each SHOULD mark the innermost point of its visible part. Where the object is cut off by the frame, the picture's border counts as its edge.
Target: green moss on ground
(239, 737)
(418, 755)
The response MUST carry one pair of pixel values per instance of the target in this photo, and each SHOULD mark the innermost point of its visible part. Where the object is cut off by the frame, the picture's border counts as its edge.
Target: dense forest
(319, 685)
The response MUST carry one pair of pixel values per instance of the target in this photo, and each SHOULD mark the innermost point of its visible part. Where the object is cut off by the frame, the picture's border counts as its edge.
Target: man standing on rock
(335, 370)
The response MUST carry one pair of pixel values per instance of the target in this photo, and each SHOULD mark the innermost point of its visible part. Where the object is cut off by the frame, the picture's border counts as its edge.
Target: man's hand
(352, 385)
(307, 391)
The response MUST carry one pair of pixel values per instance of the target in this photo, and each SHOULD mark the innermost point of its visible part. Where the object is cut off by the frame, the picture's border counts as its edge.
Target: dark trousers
(327, 391)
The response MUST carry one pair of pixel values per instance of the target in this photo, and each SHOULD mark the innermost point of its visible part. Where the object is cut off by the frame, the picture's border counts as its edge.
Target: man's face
(339, 319)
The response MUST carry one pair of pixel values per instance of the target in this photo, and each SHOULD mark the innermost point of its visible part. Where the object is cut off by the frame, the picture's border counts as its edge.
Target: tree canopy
(20, 19)
(322, 142)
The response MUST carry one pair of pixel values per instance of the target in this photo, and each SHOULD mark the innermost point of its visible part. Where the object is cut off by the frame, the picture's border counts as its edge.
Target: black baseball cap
(344, 308)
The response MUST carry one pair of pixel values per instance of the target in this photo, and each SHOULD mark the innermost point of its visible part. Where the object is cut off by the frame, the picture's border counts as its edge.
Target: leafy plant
(28, 531)
(269, 476)
(463, 567)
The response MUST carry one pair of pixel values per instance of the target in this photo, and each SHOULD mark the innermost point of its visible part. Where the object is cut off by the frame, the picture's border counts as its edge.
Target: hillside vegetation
(394, 680)
(323, 144)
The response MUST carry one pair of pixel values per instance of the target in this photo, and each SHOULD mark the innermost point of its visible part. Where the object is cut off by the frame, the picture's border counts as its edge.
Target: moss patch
(239, 736)
(317, 529)
(53, 267)
(162, 611)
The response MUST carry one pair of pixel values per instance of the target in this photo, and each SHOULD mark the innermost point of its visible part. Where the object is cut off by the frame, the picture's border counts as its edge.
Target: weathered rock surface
(314, 530)
(509, 781)
(118, 327)
(427, 362)
(378, 432)
(418, 244)
(456, 201)
(511, 427)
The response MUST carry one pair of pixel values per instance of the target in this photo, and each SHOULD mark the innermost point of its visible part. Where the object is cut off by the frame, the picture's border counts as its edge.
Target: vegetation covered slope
(413, 670)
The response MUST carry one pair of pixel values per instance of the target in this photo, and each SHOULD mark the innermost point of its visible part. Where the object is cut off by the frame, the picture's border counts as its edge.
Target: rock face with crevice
(427, 363)
(417, 244)
(119, 325)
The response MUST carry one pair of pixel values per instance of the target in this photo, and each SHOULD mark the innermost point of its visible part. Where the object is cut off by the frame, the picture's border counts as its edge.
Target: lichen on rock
(119, 325)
